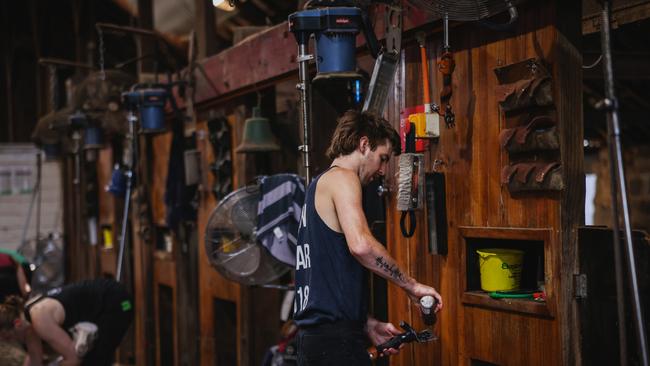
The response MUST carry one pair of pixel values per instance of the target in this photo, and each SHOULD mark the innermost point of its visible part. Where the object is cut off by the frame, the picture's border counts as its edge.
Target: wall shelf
(536, 267)
(483, 300)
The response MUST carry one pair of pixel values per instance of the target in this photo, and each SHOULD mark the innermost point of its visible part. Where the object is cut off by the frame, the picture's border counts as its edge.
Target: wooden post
(146, 45)
(204, 28)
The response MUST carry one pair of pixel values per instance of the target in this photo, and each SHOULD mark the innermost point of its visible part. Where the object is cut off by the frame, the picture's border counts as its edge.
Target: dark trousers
(113, 322)
(337, 344)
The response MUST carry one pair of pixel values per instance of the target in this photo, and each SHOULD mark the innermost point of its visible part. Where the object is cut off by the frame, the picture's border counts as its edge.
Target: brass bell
(257, 135)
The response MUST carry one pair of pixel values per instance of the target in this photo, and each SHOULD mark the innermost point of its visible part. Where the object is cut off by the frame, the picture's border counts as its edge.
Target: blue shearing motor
(93, 137)
(151, 104)
(335, 30)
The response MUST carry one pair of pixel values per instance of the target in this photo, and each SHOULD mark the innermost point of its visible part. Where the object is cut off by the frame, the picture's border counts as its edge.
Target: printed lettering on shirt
(302, 257)
(303, 217)
(301, 298)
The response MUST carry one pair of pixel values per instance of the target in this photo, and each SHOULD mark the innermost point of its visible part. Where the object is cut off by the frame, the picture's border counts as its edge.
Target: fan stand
(277, 287)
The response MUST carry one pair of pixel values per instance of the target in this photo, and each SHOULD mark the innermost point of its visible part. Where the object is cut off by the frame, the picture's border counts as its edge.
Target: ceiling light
(223, 5)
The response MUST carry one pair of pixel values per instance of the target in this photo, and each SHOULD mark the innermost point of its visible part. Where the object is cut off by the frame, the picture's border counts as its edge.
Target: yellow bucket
(500, 269)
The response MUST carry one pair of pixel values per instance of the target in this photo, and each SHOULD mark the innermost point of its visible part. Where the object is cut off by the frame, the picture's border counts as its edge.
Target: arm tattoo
(391, 269)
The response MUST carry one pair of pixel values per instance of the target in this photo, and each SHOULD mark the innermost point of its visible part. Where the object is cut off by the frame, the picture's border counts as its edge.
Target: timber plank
(106, 202)
(211, 284)
(472, 159)
(159, 167)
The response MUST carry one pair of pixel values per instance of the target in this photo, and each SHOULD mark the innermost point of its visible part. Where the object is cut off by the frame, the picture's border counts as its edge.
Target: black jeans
(113, 322)
(338, 344)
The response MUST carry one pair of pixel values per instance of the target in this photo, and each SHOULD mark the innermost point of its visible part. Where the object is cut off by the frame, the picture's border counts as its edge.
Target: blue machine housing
(93, 137)
(151, 104)
(335, 30)
(152, 110)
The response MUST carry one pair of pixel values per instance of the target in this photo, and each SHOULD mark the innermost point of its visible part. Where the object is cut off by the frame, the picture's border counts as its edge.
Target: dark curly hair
(10, 311)
(353, 125)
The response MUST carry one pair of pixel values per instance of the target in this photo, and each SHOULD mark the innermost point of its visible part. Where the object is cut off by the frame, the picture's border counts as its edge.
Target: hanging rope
(100, 33)
(54, 87)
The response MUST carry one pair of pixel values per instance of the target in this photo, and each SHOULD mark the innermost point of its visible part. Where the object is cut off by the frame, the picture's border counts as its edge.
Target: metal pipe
(128, 160)
(62, 62)
(305, 100)
(610, 105)
(125, 220)
(39, 178)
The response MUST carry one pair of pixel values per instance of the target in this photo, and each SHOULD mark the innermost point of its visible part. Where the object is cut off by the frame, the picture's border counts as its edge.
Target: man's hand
(417, 290)
(380, 332)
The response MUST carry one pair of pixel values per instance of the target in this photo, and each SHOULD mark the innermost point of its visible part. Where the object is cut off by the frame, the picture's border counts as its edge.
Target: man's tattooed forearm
(391, 269)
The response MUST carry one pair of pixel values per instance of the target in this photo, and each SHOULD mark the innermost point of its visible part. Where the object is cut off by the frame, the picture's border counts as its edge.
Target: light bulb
(222, 5)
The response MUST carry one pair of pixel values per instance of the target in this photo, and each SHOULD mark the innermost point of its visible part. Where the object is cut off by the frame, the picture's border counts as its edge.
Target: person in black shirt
(53, 316)
(336, 248)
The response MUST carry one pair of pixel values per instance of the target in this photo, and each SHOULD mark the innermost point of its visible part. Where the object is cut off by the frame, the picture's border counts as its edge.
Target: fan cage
(231, 244)
(464, 10)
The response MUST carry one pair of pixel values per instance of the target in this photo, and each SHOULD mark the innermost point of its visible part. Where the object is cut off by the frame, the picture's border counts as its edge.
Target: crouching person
(82, 322)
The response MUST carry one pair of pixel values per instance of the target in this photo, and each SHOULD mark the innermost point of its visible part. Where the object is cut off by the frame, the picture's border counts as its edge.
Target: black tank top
(82, 301)
(330, 283)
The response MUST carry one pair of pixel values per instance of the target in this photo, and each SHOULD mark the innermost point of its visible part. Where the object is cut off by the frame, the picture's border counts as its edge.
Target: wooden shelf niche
(535, 245)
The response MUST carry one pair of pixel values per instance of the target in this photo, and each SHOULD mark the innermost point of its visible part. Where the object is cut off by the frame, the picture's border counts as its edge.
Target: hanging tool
(410, 183)
(446, 65)
(427, 123)
(383, 74)
(410, 335)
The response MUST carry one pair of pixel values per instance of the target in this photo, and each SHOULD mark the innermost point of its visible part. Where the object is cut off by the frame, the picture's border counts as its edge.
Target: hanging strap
(402, 223)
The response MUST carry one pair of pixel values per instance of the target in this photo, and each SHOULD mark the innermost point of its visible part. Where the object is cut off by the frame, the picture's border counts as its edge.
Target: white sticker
(278, 232)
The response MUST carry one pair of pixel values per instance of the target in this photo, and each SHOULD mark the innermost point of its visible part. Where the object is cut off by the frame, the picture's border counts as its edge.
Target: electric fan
(46, 258)
(466, 10)
(231, 243)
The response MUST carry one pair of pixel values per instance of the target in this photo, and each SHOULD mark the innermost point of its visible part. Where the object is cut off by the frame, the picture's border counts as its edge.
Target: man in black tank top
(336, 249)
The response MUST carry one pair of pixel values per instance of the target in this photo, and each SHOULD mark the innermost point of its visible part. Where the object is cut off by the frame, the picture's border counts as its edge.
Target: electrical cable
(594, 64)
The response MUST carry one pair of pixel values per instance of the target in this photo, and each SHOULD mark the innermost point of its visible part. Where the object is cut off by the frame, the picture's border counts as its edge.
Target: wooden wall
(478, 206)
(257, 320)
(471, 326)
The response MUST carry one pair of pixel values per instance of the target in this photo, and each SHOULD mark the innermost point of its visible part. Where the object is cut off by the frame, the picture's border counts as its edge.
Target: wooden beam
(236, 68)
(622, 14)
(146, 44)
(204, 26)
(268, 56)
(263, 7)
